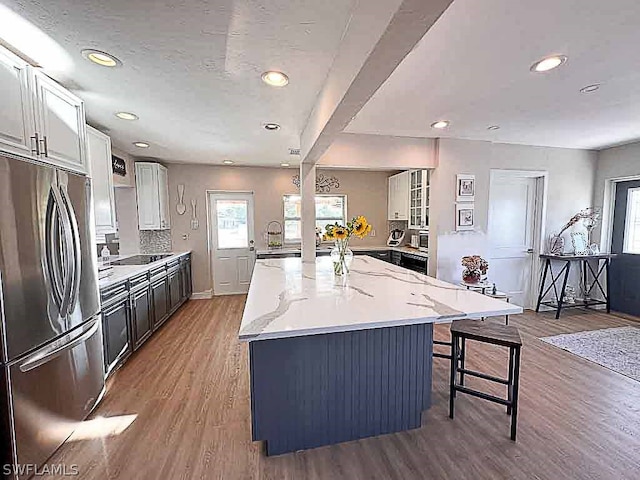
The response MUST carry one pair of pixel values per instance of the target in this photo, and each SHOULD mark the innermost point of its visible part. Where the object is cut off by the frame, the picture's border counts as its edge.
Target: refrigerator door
(48, 280)
(30, 293)
(53, 389)
(84, 301)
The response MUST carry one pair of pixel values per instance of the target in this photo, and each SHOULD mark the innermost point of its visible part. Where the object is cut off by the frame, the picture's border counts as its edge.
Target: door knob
(530, 250)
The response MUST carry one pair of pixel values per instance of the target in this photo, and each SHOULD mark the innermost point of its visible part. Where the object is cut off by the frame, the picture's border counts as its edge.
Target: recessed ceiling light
(141, 144)
(271, 126)
(590, 88)
(228, 162)
(101, 58)
(440, 124)
(284, 165)
(127, 116)
(548, 63)
(494, 127)
(275, 78)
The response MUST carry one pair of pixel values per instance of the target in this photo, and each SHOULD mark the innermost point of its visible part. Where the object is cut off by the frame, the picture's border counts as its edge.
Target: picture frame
(465, 188)
(580, 243)
(465, 216)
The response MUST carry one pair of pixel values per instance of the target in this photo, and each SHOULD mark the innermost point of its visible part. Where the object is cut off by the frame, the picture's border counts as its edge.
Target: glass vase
(471, 276)
(341, 257)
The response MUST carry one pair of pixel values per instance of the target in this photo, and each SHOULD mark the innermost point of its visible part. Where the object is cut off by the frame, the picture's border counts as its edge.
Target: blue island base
(324, 389)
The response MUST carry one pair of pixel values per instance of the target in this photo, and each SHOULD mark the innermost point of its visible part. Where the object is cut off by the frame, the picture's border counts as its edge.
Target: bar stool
(503, 335)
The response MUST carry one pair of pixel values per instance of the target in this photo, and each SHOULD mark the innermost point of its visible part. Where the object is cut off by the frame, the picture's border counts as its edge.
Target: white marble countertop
(328, 248)
(288, 298)
(123, 272)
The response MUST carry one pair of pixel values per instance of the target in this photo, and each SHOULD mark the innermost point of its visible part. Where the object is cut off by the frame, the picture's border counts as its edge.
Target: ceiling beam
(379, 36)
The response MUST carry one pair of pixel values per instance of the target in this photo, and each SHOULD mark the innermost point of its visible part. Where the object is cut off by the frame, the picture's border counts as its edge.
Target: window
(329, 209)
(632, 222)
(232, 224)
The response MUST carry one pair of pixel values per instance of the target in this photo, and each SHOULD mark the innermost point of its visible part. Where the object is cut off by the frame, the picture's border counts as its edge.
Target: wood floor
(189, 390)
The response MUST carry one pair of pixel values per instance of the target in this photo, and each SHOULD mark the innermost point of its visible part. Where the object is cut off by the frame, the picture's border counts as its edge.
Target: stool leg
(516, 384)
(462, 358)
(454, 367)
(510, 381)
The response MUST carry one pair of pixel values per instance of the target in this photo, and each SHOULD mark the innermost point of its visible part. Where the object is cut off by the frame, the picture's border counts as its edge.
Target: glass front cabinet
(419, 199)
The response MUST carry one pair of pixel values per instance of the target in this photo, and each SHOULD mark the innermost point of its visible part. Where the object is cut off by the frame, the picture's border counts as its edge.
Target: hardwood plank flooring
(189, 389)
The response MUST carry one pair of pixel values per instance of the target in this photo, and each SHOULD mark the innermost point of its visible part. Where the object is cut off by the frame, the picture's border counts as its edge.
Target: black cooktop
(140, 259)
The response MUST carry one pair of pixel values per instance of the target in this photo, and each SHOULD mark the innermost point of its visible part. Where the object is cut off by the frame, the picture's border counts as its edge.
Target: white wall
(126, 206)
(127, 215)
(366, 195)
(353, 150)
(570, 189)
(613, 163)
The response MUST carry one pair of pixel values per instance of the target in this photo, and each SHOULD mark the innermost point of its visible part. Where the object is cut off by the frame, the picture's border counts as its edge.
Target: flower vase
(471, 276)
(341, 257)
(556, 245)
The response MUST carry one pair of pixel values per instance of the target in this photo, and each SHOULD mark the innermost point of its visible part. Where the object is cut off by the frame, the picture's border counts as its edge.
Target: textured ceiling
(472, 68)
(192, 70)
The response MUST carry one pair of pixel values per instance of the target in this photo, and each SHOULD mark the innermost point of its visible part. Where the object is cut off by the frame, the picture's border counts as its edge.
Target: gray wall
(616, 162)
(571, 181)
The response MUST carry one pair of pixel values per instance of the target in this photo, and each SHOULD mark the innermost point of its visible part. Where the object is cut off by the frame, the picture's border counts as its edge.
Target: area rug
(617, 349)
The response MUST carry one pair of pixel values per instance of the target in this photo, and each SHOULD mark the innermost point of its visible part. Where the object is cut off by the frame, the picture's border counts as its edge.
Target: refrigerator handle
(74, 247)
(69, 264)
(53, 269)
(50, 352)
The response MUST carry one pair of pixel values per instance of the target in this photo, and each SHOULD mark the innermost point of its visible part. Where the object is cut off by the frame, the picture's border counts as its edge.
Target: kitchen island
(336, 359)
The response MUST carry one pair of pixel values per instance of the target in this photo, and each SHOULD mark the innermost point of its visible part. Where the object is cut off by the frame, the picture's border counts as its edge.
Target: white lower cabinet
(152, 190)
(99, 153)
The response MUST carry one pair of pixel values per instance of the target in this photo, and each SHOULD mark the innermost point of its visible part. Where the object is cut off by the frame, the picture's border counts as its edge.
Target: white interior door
(512, 223)
(232, 242)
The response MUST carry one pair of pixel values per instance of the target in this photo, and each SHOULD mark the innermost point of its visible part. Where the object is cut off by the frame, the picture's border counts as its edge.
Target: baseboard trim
(207, 294)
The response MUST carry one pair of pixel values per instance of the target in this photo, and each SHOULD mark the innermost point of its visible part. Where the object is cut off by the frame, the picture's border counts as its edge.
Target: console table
(585, 264)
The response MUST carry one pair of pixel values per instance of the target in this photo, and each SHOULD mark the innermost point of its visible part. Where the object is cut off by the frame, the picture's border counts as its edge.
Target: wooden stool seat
(485, 332)
(505, 335)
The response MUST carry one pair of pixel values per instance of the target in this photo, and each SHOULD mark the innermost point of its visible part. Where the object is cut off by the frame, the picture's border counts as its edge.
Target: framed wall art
(465, 188)
(465, 216)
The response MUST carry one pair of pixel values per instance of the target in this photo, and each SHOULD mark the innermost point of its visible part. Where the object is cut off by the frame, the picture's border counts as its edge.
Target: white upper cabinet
(99, 154)
(419, 199)
(152, 190)
(398, 200)
(163, 194)
(17, 127)
(61, 123)
(40, 119)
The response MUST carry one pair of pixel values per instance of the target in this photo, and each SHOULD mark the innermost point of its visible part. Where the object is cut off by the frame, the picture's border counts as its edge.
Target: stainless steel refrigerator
(52, 369)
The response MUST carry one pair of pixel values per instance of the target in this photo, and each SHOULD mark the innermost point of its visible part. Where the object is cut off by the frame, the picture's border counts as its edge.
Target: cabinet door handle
(36, 140)
(45, 147)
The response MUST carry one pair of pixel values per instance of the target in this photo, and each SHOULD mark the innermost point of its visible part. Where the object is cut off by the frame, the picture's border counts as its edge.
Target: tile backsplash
(155, 241)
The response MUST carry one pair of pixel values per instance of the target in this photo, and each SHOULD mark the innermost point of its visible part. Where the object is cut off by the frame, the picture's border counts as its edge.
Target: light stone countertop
(123, 272)
(327, 248)
(288, 298)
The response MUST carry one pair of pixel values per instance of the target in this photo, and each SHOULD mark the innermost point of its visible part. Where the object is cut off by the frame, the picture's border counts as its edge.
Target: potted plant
(475, 269)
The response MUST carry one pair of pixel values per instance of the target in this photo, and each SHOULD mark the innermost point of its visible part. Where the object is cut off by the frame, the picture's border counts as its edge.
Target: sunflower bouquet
(358, 227)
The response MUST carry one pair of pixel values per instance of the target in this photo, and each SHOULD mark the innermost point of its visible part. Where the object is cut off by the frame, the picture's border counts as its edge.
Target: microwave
(423, 241)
